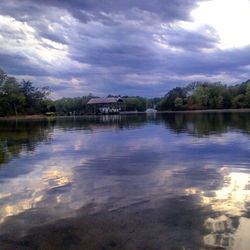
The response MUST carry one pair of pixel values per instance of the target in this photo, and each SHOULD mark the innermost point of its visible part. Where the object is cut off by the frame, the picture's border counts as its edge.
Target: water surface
(173, 181)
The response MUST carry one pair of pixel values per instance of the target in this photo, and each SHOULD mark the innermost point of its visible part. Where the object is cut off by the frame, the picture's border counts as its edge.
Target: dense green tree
(74, 106)
(168, 102)
(35, 98)
(135, 103)
(153, 102)
(205, 95)
(12, 97)
(20, 98)
(178, 103)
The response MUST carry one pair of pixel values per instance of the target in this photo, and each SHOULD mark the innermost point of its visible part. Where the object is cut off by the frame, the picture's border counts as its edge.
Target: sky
(126, 47)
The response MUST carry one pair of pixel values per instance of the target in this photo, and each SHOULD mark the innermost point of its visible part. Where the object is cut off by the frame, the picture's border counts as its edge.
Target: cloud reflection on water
(118, 165)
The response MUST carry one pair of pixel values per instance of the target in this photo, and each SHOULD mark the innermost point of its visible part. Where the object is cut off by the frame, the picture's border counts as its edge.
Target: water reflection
(182, 175)
(229, 226)
(208, 123)
(19, 136)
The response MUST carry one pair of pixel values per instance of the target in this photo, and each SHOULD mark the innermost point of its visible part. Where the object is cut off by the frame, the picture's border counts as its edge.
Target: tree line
(18, 98)
(78, 105)
(200, 96)
(194, 96)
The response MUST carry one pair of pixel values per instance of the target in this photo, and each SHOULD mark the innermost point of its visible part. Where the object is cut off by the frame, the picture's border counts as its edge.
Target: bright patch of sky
(229, 18)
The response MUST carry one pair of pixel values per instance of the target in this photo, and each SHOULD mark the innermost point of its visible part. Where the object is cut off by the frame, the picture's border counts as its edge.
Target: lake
(165, 181)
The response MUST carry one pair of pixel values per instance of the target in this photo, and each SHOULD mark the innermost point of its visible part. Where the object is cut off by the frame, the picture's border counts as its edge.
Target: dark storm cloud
(113, 46)
(140, 54)
(231, 61)
(86, 10)
(205, 37)
(19, 65)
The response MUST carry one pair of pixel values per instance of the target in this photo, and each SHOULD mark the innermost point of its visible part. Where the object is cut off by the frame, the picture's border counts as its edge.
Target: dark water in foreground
(174, 181)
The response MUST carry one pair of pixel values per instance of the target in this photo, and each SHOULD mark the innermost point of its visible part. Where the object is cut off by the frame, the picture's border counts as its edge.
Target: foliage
(17, 98)
(203, 95)
(74, 106)
(135, 103)
(20, 98)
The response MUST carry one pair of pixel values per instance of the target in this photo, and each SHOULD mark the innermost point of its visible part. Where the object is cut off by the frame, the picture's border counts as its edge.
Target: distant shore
(23, 117)
(206, 111)
(189, 111)
(36, 117)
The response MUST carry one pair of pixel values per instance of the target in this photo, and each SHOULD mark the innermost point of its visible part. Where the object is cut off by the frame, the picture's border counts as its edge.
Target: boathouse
(109, 105)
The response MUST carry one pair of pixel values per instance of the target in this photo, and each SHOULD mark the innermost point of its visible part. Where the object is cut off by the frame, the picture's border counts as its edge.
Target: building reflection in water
(229, 227)
(221, 230)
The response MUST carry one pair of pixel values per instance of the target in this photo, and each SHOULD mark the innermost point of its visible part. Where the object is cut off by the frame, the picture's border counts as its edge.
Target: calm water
(174, 181)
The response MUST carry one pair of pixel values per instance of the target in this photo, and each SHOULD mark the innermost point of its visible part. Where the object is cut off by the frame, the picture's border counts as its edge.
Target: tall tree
(20, 98)
(35, 97)
(13, 95)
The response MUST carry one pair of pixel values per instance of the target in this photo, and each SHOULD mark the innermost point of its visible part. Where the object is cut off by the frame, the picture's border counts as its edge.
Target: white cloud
(230, 18)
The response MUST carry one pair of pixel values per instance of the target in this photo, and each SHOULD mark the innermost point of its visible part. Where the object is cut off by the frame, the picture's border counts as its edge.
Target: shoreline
(208, 111)
(23, 117)
(36, 117)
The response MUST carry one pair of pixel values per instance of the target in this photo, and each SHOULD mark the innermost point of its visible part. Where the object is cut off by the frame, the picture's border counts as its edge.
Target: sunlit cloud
(228, 17)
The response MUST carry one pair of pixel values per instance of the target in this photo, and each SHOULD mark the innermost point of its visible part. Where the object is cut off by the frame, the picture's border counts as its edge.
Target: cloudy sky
(127, 47)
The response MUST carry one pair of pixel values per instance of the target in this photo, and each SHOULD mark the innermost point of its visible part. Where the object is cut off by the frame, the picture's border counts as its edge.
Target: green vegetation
(21, 98)
(70, 106)
(201, 96)
(135, 103)
(78, 105)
